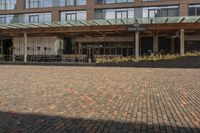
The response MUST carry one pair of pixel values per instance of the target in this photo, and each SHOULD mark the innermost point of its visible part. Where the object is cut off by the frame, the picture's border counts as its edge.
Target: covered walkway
(70, 37)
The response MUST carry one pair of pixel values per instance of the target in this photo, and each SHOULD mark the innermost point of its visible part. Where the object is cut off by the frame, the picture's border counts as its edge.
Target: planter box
(182, 62)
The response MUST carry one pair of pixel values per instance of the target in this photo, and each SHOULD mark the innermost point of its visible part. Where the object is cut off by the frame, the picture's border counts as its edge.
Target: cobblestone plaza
(98, 99)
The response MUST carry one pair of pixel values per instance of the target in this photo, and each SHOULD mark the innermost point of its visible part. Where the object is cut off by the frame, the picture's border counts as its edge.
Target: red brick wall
(91, 6)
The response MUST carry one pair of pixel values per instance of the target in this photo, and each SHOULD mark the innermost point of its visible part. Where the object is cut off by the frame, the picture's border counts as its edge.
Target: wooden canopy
(100, 27)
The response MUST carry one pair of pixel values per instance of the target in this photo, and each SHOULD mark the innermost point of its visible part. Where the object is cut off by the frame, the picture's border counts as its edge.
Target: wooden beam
(95, 22)
(167, 19)
(109, 22)
(71, 24)
(99, 28)
(83, 23)
(196, 20)
(122, 21)
(181, 20)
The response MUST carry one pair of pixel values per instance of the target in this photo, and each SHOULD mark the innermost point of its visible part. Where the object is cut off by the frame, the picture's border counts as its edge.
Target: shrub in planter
(143, 58)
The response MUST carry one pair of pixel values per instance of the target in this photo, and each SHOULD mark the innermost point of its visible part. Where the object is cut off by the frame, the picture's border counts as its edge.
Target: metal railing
(11, 58)
(45, 58)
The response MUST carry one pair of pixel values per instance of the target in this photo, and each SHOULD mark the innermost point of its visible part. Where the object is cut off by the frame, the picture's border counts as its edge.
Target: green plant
(156, 57)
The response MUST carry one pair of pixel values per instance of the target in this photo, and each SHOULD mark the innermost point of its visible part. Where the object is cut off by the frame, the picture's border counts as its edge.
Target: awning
(145, 21)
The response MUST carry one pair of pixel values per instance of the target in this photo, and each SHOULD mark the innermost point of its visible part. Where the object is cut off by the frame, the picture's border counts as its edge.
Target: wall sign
(136, 27)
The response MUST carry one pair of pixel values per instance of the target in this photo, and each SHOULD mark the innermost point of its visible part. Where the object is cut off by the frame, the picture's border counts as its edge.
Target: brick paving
(90, 99)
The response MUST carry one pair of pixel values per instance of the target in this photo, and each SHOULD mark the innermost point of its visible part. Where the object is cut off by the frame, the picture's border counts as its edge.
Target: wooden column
(1, 45)
(172, 45)
(25, 47)
(79, 47)
(155, 43)
(137, 43)
(182, 42)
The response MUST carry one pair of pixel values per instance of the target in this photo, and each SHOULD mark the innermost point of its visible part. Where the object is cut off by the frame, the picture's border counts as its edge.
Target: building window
(70, 16)
(73, 15)
(123, 13)
(194, 10)
(80, 2)
(152, 13)
(7, 4)
(38, 3)
(34, 18)
(33, 3)
(72, 2)
(26, 18)
(150, 0)
(6, 19)
(2, 20)
(146, 12)
(112, 1)
(168, 11)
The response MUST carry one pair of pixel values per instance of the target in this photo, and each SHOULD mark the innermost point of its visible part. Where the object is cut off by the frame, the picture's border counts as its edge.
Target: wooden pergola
(96, 27)
(125, 27)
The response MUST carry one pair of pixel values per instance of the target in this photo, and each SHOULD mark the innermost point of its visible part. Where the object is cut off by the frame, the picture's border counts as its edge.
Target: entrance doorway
(90, 53)
(109, 48)
(7, 50)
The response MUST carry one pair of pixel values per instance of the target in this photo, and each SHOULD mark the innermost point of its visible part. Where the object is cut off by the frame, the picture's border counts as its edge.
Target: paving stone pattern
(90, 99)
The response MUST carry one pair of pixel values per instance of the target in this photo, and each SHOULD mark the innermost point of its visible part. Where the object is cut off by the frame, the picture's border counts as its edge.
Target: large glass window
(146, 12)
(7, 4)
(194, 10)
(168, 11)
(72, 2)
(73, 15)
(52, 3)
(2, 20)
(121, 14)
(34, 18)
(112, 1)
(70, 16)
(6, 19)
(38, 3)
(25, 18)
(33, 3)
(80, 2)
(150, 0)
(114, 13)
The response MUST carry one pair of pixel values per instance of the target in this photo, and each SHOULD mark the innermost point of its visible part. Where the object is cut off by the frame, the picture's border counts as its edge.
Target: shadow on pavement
(28, 123)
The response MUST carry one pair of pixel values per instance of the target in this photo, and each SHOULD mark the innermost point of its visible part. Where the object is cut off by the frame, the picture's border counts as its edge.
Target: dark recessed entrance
(7, 49)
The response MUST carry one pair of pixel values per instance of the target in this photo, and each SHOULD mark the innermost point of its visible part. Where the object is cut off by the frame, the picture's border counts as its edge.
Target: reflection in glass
(73, 15)
(7, 4)
(25, 18)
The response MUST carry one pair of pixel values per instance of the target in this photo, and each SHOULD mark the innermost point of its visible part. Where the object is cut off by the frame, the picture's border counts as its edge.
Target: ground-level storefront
(85, 43)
